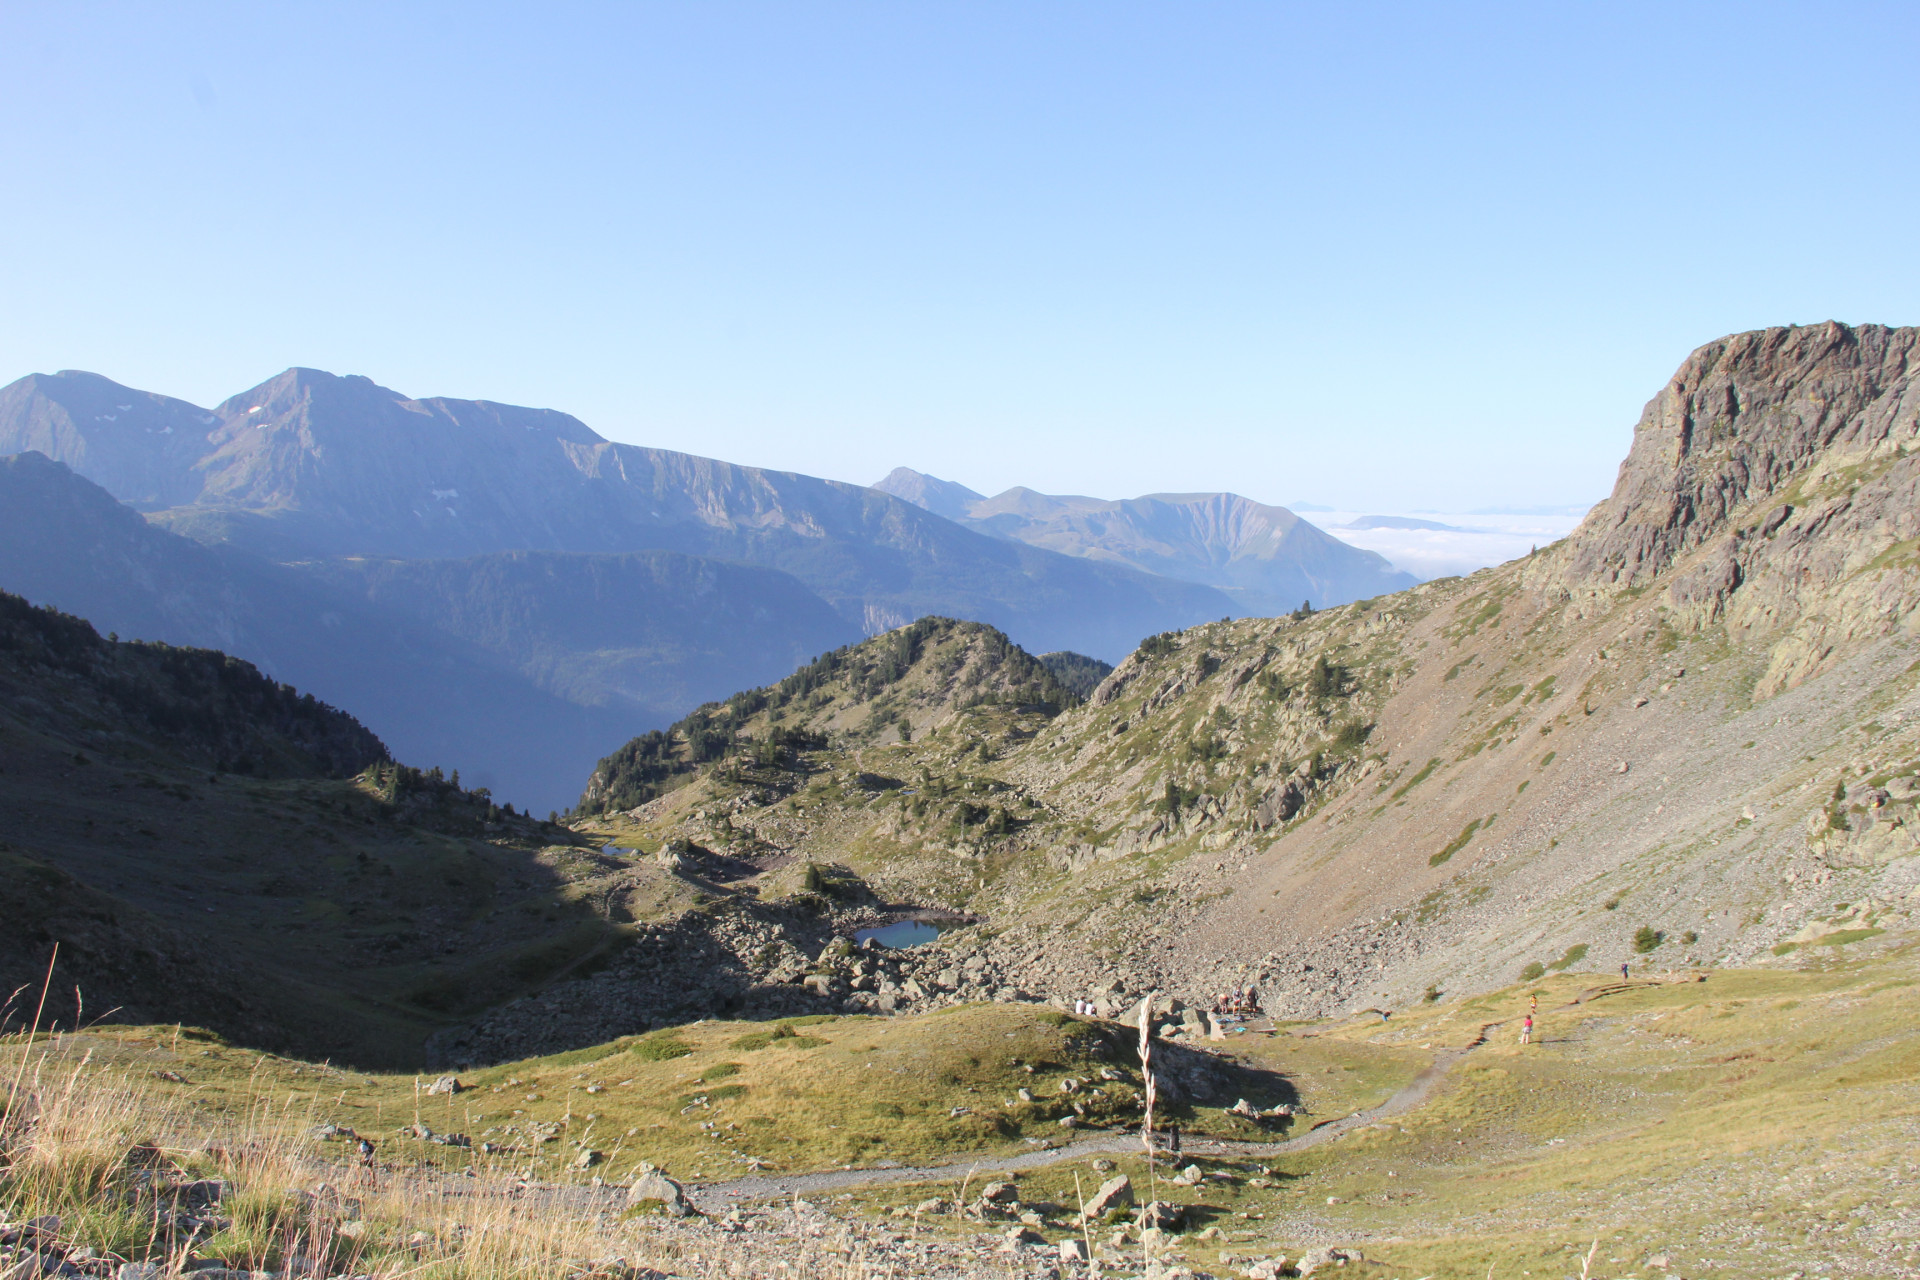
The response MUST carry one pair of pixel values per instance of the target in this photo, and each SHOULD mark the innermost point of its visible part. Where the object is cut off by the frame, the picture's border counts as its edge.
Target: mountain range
(508, 592)
(1267, 559)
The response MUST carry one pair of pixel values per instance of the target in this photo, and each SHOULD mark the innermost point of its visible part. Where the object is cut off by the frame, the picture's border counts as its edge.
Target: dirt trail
(722, 1195)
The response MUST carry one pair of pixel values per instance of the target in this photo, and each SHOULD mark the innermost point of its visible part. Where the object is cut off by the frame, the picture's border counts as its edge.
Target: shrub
(660, 1048)
(1533, 972)
(1646, 938)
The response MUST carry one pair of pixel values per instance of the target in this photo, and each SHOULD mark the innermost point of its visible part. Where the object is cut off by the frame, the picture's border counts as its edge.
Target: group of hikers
(1533, 1007)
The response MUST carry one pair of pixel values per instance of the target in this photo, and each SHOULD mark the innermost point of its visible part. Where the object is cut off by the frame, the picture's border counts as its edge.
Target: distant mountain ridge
(434, 697)
(1266, 558)
(309, 464)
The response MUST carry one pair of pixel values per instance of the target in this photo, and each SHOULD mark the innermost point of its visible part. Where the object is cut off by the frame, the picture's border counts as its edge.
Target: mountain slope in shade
(657, 632)
(1266, 558)
(309, 464)
(432, 697)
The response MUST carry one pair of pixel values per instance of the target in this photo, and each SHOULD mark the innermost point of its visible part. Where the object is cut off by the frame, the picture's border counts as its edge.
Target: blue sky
(1377, 256)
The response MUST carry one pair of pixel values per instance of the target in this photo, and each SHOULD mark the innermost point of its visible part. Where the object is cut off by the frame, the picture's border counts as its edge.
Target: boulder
(651, 1184)
(1073, 1251)
(1017, 1236)
(1267, 1269)
(445, 1085)
(1114, 1193)
(1158, 1215)
(1189, 1176)
(1328, 1257)
(1000, 1193)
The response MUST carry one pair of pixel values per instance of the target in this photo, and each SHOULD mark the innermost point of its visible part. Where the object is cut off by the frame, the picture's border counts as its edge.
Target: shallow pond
(900, 934)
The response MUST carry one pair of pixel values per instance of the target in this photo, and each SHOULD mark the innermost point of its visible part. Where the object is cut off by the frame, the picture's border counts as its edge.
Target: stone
(1189, 1176)
(1024, 1094)
(1073, 1251)
(588, 1159)
(1114, 1193)
(1158, 1214)
(445, 1085)
(1017, 1236)
(355, 1230)
(935, 1205)
(651, 1184)
(1000, 1193)
(1267, 1268)
(1328, 1257)
(1103, 1165)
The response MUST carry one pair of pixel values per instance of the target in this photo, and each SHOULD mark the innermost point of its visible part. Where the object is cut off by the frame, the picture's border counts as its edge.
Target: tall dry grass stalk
(116, 1157)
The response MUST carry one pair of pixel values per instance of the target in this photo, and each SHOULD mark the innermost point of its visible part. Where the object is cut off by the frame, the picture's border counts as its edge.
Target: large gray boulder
(650, 1184)
(1114, 1193)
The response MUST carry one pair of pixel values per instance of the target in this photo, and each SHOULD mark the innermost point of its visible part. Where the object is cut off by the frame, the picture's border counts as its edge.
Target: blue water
(900, 934)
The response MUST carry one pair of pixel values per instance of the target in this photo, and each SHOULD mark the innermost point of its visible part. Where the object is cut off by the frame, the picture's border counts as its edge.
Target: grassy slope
(1751, 1122)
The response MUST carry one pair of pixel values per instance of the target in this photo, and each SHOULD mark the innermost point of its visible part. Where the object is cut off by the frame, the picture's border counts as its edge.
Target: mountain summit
(1267, 558)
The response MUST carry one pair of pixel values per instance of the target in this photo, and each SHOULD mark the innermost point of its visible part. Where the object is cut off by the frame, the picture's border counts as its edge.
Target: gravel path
(718, 1196)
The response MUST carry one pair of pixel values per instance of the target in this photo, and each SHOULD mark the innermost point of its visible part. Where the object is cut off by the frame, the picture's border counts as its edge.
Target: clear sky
(1377, 256)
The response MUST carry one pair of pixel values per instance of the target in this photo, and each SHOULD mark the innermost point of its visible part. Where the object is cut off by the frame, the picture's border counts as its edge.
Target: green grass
(1458, 843)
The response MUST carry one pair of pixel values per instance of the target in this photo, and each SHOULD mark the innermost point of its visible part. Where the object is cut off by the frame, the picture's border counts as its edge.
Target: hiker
(1623, 971)
(1173, 1139)
(1526, 1030)
(1533, 1004)
(368, 1170)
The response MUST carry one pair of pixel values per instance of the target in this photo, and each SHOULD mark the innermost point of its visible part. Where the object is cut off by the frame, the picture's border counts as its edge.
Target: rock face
(1775, 468)
(1267, 558)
